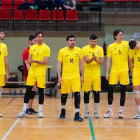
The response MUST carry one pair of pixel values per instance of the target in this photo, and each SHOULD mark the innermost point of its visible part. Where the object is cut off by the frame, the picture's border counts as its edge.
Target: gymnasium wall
(17, 44)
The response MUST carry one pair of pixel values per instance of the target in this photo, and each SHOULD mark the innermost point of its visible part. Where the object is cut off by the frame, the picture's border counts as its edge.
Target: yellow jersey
(38, 53)
(3, 53)
(135, 54)
(92, 69)
(70, 62)
(119, 55)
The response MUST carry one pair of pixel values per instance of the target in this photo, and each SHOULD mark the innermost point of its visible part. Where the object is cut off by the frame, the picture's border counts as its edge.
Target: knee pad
(86, 97)
(28, 89)
(96, 97)
(32, 95)
(77, 95)
(137, 94)
(64, 99)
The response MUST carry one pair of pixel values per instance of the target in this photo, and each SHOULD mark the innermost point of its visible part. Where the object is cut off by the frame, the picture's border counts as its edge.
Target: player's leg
(136, 85)
(29, 85)
(41, 84)
(76, 84)
(124, 80)
(65, 89)
(30, 110)
(112, 82)
(86, 87)
(2, 83)
(97, 88)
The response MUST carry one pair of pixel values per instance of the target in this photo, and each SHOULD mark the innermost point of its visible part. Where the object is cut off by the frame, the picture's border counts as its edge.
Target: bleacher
(86, 20)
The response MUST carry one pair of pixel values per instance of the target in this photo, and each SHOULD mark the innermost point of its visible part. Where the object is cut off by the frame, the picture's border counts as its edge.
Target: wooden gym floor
(52, 128)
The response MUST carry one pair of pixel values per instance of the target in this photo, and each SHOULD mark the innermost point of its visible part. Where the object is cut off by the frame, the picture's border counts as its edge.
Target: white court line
(80, 126)
(10, 129)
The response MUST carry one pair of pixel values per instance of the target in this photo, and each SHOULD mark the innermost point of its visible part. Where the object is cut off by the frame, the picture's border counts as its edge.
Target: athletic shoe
(40, 115)
(77, 117)
(60, 8)
(120, 115)
(63, 113)
(108, 113)
(137, 116)
(0, 115)
(33, 111)
(22, 114)
(96, 115)
(86, 114)
(29, 111)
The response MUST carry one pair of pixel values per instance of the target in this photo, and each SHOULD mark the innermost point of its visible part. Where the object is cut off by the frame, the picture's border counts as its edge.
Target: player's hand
(31, 61)
(82, 79)
(94, 58)
(6, 77)
(60, 80)
(107, 76)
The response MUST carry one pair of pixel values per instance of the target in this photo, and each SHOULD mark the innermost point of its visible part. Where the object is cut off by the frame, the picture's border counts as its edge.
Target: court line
(6, 135)
(11, 101)
(91, 129)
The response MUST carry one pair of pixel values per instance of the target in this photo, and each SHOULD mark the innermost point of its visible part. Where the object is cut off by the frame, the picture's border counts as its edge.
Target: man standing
(39, 55)
(118, 52)
(4, 69)
(69, 57)
(26, 67)
(134, 58)
(93, 57)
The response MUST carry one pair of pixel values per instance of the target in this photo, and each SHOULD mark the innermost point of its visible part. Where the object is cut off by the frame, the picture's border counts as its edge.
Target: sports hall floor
(52, 128)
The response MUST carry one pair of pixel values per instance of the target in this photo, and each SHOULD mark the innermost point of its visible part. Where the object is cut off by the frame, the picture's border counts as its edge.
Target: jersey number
(37, 55)
(71, 60)
(0, 52)
(119, 51)
(138, 58)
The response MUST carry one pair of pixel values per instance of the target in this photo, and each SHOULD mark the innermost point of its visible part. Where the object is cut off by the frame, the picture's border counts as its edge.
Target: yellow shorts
(88, 81)
(69, 84)
(40, 79)
(2, 80)
(123, 77)
(136, 80)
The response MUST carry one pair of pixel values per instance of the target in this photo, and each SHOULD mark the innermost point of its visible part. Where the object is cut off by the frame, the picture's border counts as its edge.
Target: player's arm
(7, 68)
(107, 67)
(59, 64)
(131, 65)
(27, 64)
(88, 61)
(82, 69)
(100, 61)
(43, 62)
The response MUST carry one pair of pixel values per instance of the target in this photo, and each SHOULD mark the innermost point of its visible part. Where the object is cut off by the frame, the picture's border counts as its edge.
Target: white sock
(25, 106)
(96, 106)
(0, 92)
(110, 107)
(138, 108)
(63, 106)
(77, 110)
(87, 107)
(121, 109)
(40, 108)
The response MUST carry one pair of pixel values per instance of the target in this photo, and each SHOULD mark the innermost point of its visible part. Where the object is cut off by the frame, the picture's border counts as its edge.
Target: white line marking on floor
(6, 135)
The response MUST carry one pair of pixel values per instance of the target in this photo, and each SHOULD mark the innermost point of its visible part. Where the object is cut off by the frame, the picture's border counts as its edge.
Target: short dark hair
(132, 44)
(116, 32)
(93, 37)
(31, 37)
(1, 30)
(39, 32)
(69, 36)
